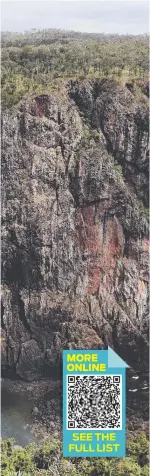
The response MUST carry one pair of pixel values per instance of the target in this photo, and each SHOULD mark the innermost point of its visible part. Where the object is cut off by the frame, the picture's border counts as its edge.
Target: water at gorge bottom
(16, 417)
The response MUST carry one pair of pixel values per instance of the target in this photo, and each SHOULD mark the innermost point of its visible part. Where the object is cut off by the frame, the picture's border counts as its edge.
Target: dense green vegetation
(35, 61)
(48, 460)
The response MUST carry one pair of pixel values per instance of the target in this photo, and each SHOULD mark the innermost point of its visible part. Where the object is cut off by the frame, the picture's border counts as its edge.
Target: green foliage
(96, 467)
(86, 133)
(126, 467)
(119, 172)
(47, 460)
(31, 62)
(139, 448)
(15, 459)
(93, 134)
(109, 158)
(15, 87)
(45, 455)
(142, 209)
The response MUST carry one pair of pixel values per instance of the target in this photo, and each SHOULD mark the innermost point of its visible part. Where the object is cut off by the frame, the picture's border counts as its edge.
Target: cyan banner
(94, 404)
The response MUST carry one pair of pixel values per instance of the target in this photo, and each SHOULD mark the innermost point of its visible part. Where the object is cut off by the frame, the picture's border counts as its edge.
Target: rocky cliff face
(74, 227)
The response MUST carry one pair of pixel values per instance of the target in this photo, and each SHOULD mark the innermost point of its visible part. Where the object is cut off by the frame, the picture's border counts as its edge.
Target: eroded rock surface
(74, 227)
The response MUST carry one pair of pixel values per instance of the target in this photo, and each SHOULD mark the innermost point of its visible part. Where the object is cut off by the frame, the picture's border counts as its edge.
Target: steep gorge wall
(74, 232)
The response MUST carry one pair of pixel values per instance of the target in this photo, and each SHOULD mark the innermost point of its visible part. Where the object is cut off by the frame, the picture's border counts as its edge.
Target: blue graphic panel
(94, 403)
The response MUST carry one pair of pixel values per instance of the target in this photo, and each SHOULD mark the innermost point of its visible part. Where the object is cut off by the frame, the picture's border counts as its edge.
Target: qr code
(94, 402)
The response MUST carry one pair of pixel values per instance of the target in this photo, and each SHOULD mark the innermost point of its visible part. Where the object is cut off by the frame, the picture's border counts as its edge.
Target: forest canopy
(47, 460)
(33, 60)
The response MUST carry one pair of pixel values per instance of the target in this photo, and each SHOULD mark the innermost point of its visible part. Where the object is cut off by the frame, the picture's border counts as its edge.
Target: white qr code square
(94, 402)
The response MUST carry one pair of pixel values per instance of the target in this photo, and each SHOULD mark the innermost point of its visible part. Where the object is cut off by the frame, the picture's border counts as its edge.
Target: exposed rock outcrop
(74, 227)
